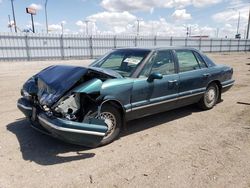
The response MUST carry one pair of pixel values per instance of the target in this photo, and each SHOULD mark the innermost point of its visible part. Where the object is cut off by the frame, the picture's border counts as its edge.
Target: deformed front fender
(118, 89)
(114, 89)
(91, 86)
(30, 86)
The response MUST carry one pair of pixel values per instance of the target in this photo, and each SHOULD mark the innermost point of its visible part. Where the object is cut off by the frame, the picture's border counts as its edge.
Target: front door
(150, 97)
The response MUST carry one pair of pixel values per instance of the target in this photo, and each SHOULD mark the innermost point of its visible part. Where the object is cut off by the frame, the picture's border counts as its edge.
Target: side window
(162, 63)
(200, 60)
(187, 60)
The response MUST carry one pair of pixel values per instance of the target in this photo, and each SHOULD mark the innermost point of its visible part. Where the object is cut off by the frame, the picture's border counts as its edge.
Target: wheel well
(117, 105)
(217, 82)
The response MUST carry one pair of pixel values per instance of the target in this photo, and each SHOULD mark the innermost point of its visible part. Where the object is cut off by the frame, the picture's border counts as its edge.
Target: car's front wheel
(112, 117)
(210, 97)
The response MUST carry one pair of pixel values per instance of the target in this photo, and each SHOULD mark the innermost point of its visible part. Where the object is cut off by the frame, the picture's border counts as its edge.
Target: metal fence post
(61, 47)
(186, 41)
(220, 44)
(27, 47)
(200, 43)
(91, 47)
(115, 41)
(135, 41)
(238, 47)
(245, 45)
(211, 44)
(155, 41)
(230, 43)
(171, 41)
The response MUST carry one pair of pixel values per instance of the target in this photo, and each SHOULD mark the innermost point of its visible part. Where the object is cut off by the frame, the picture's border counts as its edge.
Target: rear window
(200, 60)
(209, 62)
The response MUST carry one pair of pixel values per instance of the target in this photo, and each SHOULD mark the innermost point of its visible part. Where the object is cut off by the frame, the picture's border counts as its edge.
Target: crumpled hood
(55, 80)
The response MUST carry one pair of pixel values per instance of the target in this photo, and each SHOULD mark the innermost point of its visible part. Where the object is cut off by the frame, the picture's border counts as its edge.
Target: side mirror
(153, 76)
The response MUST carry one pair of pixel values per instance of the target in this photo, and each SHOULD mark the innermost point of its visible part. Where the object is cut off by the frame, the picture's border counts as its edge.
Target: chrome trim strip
(128, 110)
(194, 94)
(68, 129)
(24, 107)
(227, 85)
(166, 101)
(153, 104)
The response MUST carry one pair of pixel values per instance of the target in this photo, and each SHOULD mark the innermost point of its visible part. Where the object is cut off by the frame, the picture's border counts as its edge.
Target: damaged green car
(90, 105)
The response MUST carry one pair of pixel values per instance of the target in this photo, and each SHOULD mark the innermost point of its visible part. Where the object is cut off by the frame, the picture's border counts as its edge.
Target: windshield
(123, 62)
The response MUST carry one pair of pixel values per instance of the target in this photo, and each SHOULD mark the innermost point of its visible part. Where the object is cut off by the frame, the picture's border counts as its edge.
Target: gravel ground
(180, 148)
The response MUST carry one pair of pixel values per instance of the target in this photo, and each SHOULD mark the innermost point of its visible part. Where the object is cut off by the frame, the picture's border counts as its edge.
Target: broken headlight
(25, 94)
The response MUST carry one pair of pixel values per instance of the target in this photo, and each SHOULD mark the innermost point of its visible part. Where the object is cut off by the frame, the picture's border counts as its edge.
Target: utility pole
(32, 21)
(87, 26)
(62, 27)
(13, 13)
(248, 25)
(238, 25)
(46, 16)
(152, 29)
(217, 32)
(245, 31)
(237, 36)
(10, 25)
(93, 28)
(187, 32)
(138, 26)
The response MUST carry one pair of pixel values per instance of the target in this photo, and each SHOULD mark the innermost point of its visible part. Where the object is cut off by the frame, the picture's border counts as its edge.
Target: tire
(210, 97)
(113, 118)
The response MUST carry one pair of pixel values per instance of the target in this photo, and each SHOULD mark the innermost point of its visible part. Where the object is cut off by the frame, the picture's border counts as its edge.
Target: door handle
(206, 75)
(172, 81)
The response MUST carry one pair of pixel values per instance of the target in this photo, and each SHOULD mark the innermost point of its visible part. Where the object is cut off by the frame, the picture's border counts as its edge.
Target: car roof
(158, 48)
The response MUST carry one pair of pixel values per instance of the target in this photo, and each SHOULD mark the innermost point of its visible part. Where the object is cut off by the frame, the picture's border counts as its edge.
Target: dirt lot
(181, 148)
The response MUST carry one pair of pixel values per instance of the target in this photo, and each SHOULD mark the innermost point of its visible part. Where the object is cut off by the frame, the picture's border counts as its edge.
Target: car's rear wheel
(210, 97)
(112, 118)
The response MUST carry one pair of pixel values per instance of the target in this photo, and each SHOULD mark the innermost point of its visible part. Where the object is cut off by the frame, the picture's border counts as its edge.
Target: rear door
(193, 76)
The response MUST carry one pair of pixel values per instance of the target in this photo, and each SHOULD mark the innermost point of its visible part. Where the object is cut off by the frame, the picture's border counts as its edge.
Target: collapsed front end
(88, 133)
(65, 107)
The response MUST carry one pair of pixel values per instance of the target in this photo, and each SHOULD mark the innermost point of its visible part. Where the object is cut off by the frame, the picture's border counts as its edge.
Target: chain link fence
(27, 47)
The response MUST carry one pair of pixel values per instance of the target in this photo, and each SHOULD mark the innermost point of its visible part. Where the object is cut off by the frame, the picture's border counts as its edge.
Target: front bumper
(87, 134)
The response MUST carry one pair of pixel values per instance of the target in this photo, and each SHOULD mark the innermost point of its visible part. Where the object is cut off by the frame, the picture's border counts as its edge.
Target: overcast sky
(157, 17)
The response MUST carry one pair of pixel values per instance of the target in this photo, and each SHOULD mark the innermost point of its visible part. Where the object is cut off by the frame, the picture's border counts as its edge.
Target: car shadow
(158, 119)
(43, 149)
(46, 150)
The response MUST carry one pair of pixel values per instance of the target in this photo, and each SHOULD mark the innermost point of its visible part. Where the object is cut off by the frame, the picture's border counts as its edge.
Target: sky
(155, 17)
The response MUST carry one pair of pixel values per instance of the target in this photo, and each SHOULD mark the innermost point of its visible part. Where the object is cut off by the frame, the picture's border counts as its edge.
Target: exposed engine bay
(80, 106)
(76, 107)
(69, 107)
